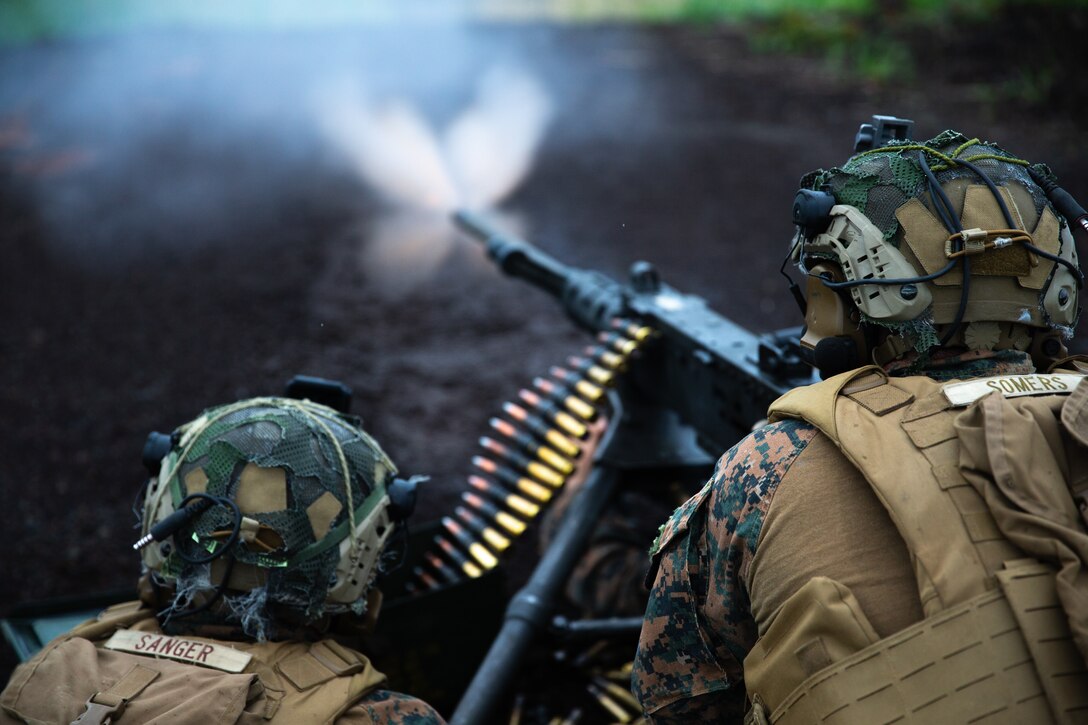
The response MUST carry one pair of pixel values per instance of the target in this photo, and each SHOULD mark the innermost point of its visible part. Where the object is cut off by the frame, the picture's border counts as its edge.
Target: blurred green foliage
(829, 20)
(851, 43)
(875, 41)
(881, 41)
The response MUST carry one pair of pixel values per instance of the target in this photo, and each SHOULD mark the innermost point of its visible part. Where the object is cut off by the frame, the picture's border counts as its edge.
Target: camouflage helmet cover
(310, 486)
(1011, 288)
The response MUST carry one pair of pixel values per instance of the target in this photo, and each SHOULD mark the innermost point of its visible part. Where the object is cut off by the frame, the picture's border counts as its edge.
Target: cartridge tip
(515, 411)
(484, 464)
(529, 396)
(544, 384)
(492, 445)
(503, 427)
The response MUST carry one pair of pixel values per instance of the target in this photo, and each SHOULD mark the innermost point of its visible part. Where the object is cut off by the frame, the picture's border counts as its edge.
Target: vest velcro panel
(1029, 587)
(968, 662)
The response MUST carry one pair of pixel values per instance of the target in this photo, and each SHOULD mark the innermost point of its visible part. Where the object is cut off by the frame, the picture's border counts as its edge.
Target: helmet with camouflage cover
(287, 512)
(945, 243)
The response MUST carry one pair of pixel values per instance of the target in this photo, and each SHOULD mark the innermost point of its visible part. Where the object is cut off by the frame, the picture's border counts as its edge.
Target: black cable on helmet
(941, 202)
(795, 289)
(138, 501)
(952, 224)
(900, 280)
(208, 500)
(943, 205)
(236, 528)
(1077, 274)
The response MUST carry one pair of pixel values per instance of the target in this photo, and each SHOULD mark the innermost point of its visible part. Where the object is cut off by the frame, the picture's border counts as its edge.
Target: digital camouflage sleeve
(384, 707)
(698, 625)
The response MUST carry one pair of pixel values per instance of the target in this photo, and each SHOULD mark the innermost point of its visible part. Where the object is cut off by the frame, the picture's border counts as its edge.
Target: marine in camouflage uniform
(787, 505)
(263, 532)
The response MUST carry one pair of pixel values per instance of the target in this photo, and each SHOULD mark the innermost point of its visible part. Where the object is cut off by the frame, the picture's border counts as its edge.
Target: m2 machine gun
(696, 385)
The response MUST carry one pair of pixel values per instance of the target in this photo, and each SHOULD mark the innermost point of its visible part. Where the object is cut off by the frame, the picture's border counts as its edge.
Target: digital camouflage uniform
(385, 706)
(700, 621)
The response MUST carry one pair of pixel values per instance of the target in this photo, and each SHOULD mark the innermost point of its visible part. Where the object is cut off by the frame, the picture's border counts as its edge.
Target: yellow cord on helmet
(949, 161)
(353, 535)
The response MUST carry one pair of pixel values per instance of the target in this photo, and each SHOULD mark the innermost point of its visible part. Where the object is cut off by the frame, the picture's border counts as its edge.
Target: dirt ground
(177, 233)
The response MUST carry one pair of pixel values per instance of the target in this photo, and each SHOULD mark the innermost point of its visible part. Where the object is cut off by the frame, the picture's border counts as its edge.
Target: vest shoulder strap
(315, 682)
(899, 433)
(816, 403)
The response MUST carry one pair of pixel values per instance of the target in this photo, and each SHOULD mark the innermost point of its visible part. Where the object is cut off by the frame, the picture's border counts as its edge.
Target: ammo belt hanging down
(995, 646)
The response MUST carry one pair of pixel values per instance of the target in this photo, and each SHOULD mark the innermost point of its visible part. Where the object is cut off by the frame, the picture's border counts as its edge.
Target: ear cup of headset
(833, 338)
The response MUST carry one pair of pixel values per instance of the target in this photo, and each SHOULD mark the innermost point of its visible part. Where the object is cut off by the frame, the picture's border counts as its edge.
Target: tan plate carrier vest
(995, 645)
(74, 679)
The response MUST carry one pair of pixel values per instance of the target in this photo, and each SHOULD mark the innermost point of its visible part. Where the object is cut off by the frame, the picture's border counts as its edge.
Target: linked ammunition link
(533, 449)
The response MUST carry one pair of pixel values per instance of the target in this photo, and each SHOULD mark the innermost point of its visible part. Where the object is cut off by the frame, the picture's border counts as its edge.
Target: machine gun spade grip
(590, 298)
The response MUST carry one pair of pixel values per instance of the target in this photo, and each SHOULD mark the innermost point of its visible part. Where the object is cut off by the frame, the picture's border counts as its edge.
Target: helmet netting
(297, 438)
(880, 181)
(920, 331)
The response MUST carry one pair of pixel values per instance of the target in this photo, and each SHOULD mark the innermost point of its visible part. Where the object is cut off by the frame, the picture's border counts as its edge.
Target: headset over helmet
(273, 510)
(949, 242)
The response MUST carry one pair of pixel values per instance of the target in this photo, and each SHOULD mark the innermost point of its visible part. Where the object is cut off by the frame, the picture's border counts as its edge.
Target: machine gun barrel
(590, 298)
(716, 375)
(515, 257)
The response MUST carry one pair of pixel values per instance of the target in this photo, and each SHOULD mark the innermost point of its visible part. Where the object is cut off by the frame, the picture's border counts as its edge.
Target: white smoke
(490, 147)
(480, 158)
